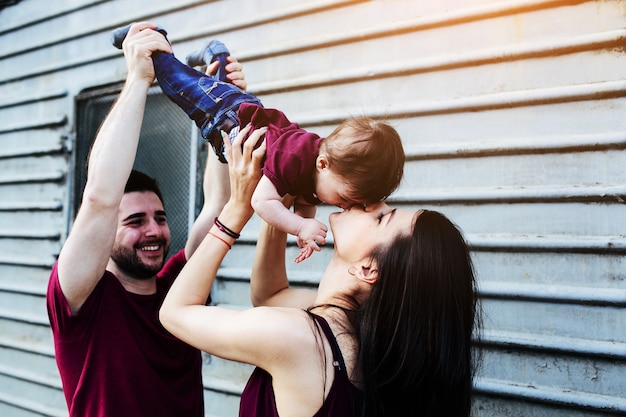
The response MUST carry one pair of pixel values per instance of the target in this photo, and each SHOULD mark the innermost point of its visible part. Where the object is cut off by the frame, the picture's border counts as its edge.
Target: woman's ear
(367, 273)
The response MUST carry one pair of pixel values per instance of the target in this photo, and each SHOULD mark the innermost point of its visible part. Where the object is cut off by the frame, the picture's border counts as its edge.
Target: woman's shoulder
(283, 338)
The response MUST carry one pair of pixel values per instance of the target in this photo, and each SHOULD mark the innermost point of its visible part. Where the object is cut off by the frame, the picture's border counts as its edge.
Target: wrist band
(225, 229)
(219, 238)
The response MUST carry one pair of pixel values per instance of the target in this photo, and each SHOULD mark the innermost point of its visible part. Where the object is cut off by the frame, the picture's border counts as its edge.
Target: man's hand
(142, 40)
(234, 72)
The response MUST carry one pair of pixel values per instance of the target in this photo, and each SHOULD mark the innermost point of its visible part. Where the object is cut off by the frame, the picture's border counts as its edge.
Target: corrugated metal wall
(514, 121)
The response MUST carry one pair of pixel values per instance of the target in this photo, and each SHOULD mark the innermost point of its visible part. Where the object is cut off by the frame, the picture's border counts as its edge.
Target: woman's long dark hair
(416, 326)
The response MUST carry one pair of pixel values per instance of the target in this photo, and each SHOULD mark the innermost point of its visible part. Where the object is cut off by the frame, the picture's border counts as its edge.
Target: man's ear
(367, 273)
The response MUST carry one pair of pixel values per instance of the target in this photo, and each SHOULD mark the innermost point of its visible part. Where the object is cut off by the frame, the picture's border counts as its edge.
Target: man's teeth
(149, 248)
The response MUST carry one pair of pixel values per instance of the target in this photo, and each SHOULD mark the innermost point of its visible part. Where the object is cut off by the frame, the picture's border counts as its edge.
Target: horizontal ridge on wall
(472, 58)
(506, 100)
(53, 205)
(551, 47)
(500, 242)
(32, 98)
(55, 176)
(551, 396)
(31, 406)
(538, 144)
(49, 13)
(561, 294)
(554, 344)
(22, 289)
(460, 15)
(39, 123)
(22, 345)
(34, 319)
(512, 194)
(39, 151)
(294, 10)
(51, 39)
(32, 261)
(31, 377)
(30, 234)
(113, 53)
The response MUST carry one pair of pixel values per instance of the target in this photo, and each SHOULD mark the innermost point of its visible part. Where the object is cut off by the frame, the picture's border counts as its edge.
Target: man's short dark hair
(138, 181)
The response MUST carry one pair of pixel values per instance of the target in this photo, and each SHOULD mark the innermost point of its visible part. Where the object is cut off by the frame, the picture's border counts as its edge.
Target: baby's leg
(210, 103)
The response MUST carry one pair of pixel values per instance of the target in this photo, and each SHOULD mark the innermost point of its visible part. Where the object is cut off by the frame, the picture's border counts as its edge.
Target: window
(165, 152)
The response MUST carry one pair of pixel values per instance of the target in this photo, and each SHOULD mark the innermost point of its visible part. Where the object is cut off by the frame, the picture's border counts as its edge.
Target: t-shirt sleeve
(58, 308)
(62, 321)
(173, 266)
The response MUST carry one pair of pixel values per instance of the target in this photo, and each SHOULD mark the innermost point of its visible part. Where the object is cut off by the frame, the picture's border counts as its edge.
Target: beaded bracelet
(225, 229)
(219, 238)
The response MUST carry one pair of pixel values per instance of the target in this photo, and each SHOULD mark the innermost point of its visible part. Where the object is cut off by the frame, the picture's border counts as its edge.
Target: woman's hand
(244, 169)
(183, 312)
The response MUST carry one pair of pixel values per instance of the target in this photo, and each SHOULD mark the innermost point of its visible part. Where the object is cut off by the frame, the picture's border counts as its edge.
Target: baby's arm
(307, 211)
(267, 203)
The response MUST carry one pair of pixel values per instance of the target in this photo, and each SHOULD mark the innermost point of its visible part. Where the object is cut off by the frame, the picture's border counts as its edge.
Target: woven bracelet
(225, 229)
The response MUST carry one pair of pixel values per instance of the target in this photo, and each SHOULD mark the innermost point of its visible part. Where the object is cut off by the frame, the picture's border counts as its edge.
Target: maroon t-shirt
(290, 151)
(115, 358)
(343, 400)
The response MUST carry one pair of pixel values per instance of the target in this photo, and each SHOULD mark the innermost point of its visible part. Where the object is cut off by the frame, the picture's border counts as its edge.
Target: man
(113, 355)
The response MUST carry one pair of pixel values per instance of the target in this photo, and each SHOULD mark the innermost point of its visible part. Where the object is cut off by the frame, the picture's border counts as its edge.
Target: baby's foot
(213, 50)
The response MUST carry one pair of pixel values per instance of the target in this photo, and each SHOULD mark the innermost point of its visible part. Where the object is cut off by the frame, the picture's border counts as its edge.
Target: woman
(387, 332)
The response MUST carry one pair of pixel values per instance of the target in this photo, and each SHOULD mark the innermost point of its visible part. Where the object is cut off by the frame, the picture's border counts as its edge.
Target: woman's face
(357, 230)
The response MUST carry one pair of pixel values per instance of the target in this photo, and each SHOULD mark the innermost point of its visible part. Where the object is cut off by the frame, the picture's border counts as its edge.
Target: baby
(360, 162)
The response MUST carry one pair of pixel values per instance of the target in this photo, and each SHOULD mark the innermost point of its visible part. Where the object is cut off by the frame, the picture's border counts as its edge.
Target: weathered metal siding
(513, 116)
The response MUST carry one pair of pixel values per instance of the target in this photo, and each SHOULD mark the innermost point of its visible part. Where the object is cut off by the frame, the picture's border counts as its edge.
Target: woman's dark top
(343, 400)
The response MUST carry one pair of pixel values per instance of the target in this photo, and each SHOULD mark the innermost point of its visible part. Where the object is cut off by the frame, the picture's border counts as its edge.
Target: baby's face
(332, 189)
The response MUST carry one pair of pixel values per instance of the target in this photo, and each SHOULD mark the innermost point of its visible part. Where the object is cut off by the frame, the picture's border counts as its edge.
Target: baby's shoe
(213, 50)
(119, 34)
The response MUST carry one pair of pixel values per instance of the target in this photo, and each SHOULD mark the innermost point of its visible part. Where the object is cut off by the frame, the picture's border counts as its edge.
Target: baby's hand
(312, 234)
(306, 251)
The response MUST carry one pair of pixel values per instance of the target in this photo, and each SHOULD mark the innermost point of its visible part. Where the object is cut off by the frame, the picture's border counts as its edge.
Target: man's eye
(380, 217)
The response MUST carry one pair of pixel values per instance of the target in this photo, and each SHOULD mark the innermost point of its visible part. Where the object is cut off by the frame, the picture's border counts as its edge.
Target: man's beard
(127, 260)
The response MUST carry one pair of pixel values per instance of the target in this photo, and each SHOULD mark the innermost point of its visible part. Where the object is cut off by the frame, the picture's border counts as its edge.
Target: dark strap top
(343, 400)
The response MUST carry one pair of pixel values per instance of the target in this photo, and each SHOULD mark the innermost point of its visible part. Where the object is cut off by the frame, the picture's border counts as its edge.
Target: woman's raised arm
(269, 285)
(192, 286)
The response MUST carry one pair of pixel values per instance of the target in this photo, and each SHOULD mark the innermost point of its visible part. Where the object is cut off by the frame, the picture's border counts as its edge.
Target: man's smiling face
(143, 235)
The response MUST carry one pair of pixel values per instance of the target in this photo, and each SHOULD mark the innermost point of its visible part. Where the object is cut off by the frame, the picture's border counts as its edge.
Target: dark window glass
(165, 152)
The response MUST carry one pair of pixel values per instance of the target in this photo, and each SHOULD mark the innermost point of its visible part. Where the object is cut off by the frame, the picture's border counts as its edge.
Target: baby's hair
(368, 155)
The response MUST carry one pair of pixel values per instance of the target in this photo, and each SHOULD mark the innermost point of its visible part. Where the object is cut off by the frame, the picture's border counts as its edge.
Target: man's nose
(153, 228)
